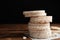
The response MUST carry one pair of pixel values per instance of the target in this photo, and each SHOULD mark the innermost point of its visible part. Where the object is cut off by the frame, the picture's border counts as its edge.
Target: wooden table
(15, 31)
(19, 38)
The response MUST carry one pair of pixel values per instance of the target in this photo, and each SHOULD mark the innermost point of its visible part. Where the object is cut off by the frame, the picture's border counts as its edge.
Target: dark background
(14, 13)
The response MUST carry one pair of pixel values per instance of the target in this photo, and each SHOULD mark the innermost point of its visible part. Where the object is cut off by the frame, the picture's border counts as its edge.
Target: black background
(14, 13)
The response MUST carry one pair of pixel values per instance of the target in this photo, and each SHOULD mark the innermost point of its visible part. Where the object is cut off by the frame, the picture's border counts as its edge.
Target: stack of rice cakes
(39, 25)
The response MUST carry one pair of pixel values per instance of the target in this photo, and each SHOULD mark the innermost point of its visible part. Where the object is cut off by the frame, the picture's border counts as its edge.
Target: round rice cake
(41, 19)
(39, 27)
(32, 24)
(40, 34)
(39, 30)
(34, 13)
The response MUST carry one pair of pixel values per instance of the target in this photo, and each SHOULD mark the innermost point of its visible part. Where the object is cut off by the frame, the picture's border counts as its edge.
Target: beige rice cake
(34, 13)
(40, 34)
(39, 30)
(41, 19)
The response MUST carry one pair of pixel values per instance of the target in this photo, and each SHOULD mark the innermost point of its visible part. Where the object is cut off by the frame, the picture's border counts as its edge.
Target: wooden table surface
(16, 31)
(16, 38)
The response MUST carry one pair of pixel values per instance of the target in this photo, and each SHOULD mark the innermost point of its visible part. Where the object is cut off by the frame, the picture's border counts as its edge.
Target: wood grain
(14, 30)
(19, 38)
